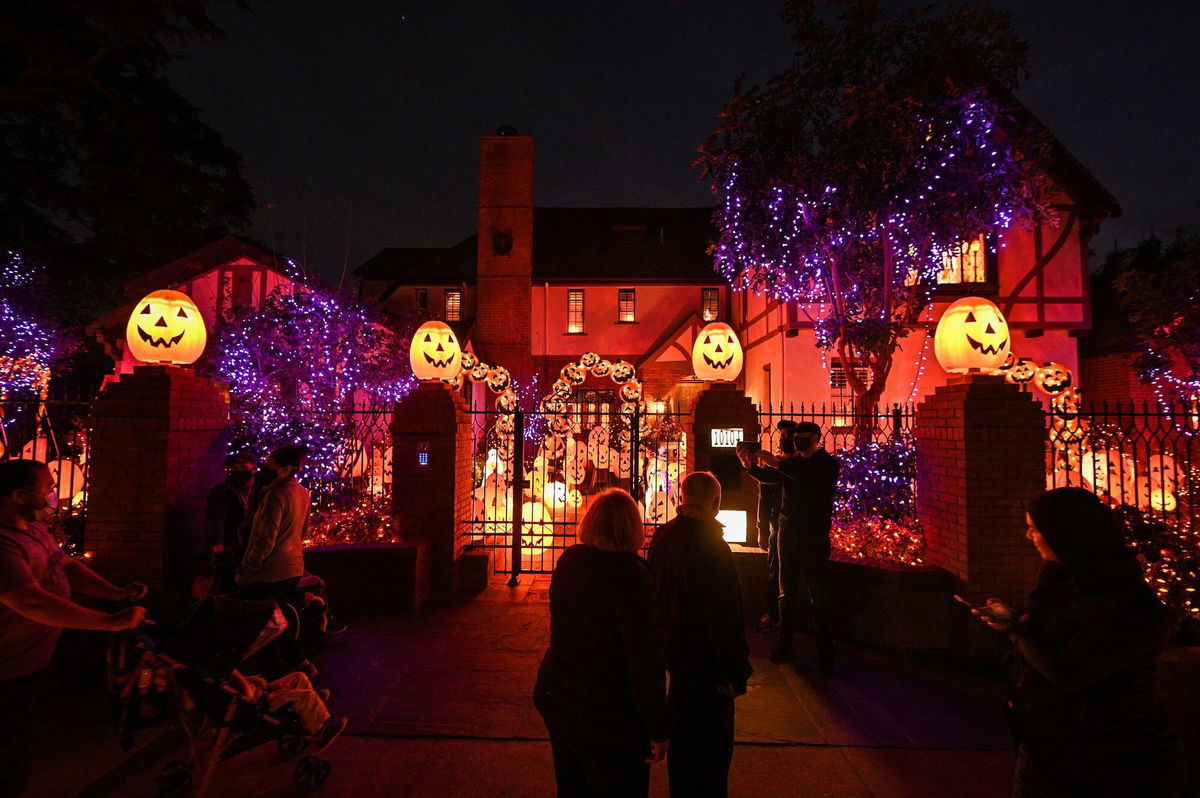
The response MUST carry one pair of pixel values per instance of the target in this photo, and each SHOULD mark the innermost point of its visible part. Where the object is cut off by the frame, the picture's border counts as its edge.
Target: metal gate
(535, 474)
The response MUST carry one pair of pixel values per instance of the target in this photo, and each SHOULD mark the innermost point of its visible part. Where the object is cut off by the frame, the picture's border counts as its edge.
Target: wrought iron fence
(838, 422)
(353, 503)
(55, 432)
(535, 474)
(1142, 460)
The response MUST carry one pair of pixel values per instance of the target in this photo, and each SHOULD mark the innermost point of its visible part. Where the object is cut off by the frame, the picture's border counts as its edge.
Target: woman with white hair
(601, 686)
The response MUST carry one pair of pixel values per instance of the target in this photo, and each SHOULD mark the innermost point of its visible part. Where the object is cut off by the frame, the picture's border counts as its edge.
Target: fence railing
(838, 422)
(535, 474)
(55, 432)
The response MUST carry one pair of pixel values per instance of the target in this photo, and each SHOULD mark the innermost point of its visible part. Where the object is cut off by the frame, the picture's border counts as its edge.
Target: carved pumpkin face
(561, 390)
(717, 353)
(505, 425)
(166, 327)
(622, 372)
(1162, 500)
(498, 379)
(573, 374)
(506, 402)
(589, 359)
(469, 361)
(1022, 371)
(434, 352)
(1006, 366)
(560, 424)
(554, 496)
(1053, 378)
(972, 334)
(631, 391)
(479, 372)
(1162, 471)
(601, 368)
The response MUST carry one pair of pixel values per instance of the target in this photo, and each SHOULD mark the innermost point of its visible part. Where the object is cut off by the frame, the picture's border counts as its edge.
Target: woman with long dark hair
(1085, 648)
(601, 687)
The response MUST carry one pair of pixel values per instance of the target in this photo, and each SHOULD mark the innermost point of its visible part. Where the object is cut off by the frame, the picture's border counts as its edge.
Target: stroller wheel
(175, 779)
(289, 745)
(311, 772)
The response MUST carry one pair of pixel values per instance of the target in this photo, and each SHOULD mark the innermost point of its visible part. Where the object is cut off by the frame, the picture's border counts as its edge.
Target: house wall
(1041, 286)
(403, 301)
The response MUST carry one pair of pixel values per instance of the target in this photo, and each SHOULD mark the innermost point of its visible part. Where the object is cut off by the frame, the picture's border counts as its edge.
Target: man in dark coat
(224, 513)
(809, 481)
(700, 609)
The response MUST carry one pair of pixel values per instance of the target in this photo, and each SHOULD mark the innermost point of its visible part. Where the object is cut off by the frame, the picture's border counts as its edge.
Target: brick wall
(980, 456)
(428, 501)
(1110, 378)
(503, 289)
(157, 449)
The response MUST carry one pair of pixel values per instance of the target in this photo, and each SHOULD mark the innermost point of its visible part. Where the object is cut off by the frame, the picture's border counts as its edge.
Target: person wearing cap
(809, 482)
(1086, 645)
(227, 507)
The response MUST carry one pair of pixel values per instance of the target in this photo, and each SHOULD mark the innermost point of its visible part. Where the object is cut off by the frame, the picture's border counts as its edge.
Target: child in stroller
(190, 670)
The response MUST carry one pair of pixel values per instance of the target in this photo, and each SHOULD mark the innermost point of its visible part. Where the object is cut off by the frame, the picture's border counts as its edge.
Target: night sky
(358, 119)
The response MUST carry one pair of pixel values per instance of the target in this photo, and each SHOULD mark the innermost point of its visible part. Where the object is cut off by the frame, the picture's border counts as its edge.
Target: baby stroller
(184, 674)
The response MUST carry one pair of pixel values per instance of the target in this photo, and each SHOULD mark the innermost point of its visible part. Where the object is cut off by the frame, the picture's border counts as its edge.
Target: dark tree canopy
(1158, 285)
(845, 179)
(107, 170)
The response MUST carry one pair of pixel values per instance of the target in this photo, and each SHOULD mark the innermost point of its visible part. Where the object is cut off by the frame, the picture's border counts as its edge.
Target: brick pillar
(157, 449)
(723, 406)
(981, 459)
(428, 500)
(505, 254)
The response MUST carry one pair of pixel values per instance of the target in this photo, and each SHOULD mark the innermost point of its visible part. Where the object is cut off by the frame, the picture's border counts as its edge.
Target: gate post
(431, 479)
(721, 406)
(157, 449)
(981, 459)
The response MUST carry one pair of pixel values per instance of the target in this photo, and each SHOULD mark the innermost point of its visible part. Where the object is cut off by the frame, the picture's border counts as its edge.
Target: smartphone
(981, 607)
(750, 447)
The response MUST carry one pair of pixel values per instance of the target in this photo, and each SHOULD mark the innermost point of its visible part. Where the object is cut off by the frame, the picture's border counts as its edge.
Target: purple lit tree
(298, 368)
(846, 179)
(29, 344)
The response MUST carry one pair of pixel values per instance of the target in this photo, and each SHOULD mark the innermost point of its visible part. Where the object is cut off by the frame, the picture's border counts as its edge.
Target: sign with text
(726, 438)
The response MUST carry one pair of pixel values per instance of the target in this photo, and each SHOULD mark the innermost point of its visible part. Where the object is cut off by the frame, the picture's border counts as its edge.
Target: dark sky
(358, 119)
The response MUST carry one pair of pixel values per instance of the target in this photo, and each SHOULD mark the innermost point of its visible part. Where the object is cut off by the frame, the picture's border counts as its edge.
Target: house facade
(535, 288)
(228, 274)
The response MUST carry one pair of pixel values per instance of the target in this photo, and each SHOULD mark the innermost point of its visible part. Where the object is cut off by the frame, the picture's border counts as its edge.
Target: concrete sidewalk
(440, 706)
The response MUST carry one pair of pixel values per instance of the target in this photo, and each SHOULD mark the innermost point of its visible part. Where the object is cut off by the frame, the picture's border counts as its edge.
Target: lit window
(710, 304)
(422, 300)
(575, 310)
(841, 393)
(965, 263)
(625, 305)
(453, 305)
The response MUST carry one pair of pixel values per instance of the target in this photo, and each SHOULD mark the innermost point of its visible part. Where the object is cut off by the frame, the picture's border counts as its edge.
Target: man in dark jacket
(770, 503)
(700, 609)
(809, 481)
(224, 513)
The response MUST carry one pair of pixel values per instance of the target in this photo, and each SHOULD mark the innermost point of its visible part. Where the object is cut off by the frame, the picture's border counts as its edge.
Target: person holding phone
(809, 481)
(1085, 648)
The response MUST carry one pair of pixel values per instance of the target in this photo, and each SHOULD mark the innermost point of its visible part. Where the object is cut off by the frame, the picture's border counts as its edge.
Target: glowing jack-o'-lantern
(622, 372)
(717, 353)
(589, 359)
(631, 391)
(1023, 371)
(498, 379)
(434, 353)
(1162, 500)
(166, 327)
(1053, 378)
(972, 334)
(601, 368)
(1006, 366)
(1162, 471)
(573, 374)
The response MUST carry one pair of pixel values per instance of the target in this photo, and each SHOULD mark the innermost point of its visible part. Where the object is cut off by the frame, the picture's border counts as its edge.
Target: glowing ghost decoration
(717, 353)
(166, 327)
(971, 334)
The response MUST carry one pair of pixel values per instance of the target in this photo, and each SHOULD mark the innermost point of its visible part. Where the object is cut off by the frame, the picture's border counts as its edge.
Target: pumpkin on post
(166, 327)
(717, 353)
(972, 335)
(434, 353)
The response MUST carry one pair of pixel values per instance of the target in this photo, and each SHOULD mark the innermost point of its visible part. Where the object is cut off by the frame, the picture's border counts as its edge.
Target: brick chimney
(505, 253)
